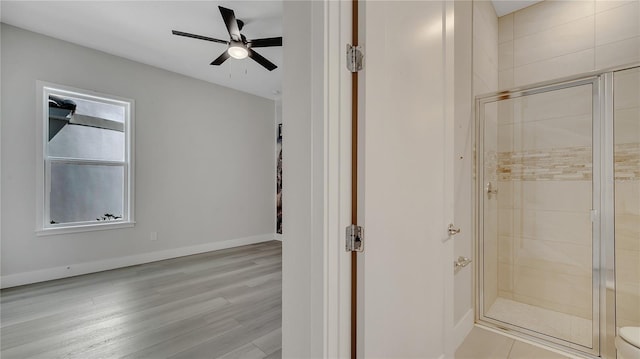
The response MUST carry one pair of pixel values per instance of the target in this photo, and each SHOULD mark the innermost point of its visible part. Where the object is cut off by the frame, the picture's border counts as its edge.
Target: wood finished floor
(222, 304)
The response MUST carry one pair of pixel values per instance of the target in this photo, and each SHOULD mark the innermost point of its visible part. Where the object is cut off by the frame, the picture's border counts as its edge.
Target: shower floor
(556, 324)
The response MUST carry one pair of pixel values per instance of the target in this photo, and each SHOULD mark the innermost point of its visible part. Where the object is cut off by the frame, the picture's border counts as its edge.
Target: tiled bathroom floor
(560, 325)
(485, 344)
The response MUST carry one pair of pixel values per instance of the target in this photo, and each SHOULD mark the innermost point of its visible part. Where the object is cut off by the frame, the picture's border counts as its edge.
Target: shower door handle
(453, 230)
(491, 189)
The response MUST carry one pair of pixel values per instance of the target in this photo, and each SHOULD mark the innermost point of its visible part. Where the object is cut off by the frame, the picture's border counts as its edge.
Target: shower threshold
(562, 326)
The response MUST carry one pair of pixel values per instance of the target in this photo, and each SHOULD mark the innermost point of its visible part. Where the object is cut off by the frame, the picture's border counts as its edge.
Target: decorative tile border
(627, 162)
(563, 164)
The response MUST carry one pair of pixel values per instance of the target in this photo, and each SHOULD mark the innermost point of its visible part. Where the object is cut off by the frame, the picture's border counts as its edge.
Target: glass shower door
(536, 205)
(626, 124)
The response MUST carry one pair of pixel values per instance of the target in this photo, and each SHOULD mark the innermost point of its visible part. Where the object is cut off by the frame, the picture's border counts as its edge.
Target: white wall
(278, 111)
(204, 161)
(303, 276)
(485, 47)
(485, 80)
(297, 172)
(463, 165)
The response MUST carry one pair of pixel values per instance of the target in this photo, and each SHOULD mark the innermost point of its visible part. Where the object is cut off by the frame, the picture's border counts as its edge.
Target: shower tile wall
(627, 195)
(485, 47)
(554, 39)
(542, 255)
(485, 80)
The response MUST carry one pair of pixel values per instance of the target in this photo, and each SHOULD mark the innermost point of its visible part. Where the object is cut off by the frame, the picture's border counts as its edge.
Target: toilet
(628, 343)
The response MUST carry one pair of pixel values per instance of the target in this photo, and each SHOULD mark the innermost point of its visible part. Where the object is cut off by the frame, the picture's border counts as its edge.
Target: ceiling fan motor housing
(238, 46)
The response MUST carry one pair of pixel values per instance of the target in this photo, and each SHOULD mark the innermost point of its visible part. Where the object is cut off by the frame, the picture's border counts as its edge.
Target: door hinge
(355, 55)
(355, 236)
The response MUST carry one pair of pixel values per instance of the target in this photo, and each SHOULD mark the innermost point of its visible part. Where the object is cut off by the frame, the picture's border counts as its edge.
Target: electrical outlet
(154, 236)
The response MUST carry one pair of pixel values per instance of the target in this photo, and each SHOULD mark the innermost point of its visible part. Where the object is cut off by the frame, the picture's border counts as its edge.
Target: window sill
(83, 228)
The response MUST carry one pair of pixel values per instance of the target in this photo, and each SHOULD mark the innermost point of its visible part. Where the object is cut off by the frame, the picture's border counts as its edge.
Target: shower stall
(558, 210)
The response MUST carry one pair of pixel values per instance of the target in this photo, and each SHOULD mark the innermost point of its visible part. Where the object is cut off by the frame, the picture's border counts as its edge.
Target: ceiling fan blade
(229, 18)
(200, 37)
(222, 58)
(261, 60)
(267, 42)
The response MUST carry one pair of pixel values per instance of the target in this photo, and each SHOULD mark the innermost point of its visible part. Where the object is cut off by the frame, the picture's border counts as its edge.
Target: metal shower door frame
(607, 200)
(602, 225)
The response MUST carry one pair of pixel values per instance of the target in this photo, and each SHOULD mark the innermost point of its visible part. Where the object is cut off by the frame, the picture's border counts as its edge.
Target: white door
(405, 274)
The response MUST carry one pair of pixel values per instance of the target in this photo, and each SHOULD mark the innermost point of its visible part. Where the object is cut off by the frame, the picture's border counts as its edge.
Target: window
(85, 163)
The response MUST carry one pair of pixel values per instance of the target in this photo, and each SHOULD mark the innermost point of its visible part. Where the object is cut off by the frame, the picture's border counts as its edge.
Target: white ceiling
(504, 7)
(141, 31)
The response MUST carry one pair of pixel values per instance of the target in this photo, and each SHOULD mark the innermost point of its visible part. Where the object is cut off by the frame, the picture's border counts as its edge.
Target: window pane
(98, 109)
(81, 128)
(81, 192)
(62, 103)
(75, 141)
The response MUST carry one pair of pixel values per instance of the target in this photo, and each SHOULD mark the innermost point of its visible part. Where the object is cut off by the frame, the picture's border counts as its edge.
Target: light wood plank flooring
(221, 304)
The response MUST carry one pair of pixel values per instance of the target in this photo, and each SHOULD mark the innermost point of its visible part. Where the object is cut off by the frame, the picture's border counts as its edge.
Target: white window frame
(43, 161)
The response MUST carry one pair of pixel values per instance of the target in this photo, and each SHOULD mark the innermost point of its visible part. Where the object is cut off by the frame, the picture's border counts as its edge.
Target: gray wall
(204, 156)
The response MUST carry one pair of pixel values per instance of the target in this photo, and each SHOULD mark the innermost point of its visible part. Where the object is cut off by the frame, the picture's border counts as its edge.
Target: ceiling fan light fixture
(238, 50)
(238, 47)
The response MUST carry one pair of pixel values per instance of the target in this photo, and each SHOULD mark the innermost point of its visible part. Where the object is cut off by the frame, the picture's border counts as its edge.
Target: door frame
(316, 102)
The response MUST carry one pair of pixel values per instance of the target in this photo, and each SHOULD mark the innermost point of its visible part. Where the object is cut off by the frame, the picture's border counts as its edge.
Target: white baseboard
(71, 270)
(462, 328)
(278, 237)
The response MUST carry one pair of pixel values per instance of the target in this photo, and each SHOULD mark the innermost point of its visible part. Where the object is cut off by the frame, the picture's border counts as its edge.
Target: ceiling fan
(238, 45)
